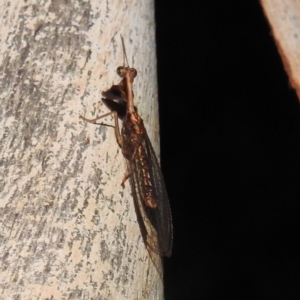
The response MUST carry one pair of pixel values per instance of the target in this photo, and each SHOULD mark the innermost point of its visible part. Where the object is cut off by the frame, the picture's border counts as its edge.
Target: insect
(148, 189)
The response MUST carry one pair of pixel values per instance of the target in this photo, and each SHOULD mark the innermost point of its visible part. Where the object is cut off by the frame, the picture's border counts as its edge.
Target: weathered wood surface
(284, 20)
(67, 228)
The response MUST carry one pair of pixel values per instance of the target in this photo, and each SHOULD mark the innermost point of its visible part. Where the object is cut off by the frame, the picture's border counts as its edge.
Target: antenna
(124, 52)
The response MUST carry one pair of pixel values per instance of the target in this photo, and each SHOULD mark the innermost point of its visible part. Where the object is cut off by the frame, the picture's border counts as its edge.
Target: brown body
(132, 133)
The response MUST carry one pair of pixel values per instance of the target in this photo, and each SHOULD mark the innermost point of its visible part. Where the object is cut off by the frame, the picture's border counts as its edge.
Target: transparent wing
(155, 221)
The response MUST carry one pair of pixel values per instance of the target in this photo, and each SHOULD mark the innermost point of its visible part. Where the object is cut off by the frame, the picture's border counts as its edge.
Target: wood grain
(67, 228)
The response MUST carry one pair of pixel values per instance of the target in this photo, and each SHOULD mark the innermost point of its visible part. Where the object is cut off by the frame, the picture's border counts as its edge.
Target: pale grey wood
(284, 19)
(67, 228)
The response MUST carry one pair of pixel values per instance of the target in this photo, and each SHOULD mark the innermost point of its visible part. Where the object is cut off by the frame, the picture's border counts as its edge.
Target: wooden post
(67, 228)
(284, 19)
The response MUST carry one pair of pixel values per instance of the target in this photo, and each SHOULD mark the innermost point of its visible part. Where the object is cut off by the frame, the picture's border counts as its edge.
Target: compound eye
(120, 71)
(134, 72)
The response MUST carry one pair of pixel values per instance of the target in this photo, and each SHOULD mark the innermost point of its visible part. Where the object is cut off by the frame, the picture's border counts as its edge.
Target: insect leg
(117, 129)
(126, 176)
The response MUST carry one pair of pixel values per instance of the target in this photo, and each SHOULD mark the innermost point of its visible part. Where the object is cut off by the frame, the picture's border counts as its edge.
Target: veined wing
(154, 217)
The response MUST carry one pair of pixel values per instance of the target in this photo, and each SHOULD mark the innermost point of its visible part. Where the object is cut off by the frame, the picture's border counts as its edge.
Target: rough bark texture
(284, 19)
(67, 228)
